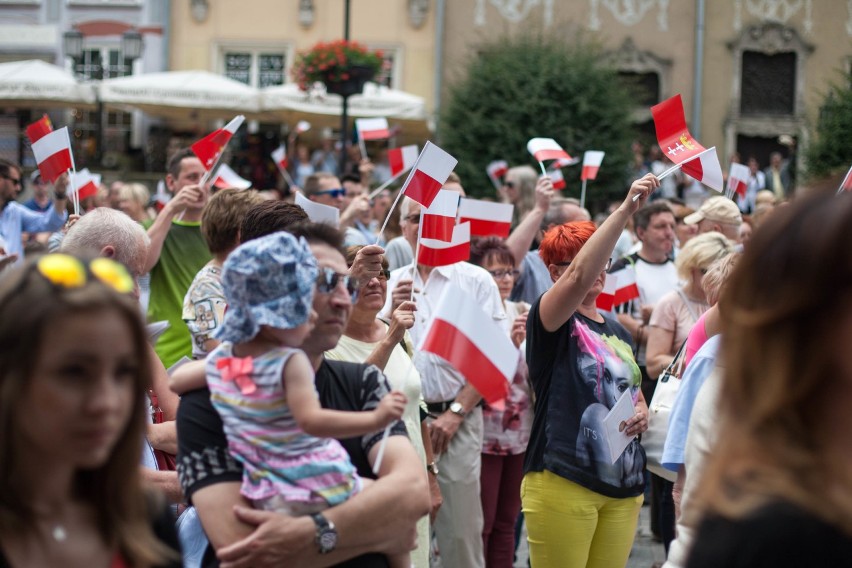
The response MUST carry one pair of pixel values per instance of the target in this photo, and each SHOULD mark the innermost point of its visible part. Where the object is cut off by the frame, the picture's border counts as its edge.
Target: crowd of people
(276, 409)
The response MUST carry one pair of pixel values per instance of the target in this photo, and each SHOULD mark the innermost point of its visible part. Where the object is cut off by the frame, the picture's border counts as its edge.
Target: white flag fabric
(317, 212)
(227, 177)
(544, 149)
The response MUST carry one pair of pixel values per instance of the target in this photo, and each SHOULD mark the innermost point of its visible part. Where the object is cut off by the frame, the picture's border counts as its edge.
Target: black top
(578, 373)
(779, 535)
(203, 458)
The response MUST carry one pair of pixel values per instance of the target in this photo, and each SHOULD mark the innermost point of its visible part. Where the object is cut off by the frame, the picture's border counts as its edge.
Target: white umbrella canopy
(375, 101)
(181, 95)
(34, 83)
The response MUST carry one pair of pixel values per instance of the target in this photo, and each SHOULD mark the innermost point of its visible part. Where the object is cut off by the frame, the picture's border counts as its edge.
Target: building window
(391, 74)
(768, 83)
(644, 86)
(257, 68)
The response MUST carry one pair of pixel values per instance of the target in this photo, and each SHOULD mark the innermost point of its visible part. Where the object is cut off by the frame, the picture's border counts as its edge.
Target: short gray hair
(102, 227)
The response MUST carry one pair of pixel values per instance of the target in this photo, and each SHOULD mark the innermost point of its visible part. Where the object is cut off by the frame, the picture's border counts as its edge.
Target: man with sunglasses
(16, 219)
(327, 189)
(379, 520)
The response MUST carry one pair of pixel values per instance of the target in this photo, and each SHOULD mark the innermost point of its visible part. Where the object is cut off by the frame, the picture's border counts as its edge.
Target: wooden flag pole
(385, 185)
(543, 169)
(665, 174)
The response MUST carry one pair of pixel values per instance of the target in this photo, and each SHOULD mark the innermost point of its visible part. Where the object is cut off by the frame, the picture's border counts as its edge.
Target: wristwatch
(326, 538)
(432, 468)
(457, 408)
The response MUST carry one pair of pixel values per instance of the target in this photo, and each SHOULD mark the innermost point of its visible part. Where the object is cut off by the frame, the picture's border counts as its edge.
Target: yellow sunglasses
(70, 272)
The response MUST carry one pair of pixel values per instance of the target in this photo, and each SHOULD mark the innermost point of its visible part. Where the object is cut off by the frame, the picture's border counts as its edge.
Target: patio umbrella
(181, 95)
(289, 103)
(34, 83)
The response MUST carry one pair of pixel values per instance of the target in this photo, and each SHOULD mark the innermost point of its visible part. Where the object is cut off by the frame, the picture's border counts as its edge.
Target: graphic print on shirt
(607, 368)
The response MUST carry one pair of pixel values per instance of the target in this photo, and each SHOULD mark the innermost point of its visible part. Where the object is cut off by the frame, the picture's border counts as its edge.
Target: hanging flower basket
(342, 66)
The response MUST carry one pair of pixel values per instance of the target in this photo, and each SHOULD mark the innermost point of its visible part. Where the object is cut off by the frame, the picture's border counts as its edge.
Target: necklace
(59, 533)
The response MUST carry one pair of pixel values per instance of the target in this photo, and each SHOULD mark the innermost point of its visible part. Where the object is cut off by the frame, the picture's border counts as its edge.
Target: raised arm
(160, 228)
(568, 292)
(521, 239)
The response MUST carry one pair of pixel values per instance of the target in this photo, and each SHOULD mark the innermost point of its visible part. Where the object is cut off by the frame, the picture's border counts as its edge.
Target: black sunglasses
(16, 181)
(509, 184)
(328, 279)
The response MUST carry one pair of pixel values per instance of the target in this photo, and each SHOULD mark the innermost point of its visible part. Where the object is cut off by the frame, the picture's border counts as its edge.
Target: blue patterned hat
(267, 281)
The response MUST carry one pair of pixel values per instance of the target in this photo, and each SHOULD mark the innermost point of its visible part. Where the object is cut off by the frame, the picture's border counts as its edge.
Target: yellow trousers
(570, 526)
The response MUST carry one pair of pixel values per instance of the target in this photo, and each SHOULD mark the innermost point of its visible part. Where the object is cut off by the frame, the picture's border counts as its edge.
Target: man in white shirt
(456, 426)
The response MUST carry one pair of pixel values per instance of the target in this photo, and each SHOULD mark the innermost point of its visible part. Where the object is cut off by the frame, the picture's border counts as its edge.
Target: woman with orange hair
(581, 509)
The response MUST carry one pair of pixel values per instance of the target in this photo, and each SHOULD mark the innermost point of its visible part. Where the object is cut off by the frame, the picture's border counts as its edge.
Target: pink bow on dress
(238, 369)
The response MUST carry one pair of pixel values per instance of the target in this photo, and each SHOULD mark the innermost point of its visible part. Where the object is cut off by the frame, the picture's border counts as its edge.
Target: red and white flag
(85, 183)
(705, 167)
(606, 299)
(430, 171)
(39, 129)
(591, 164)
(557, 178)
(227, 177)
(737, 180)
(486, 218)
(402, 159)
(625, 285)
(440, 253)
(497, 169)
(473, 343)
(210, 148)
(162, 196)
(372, 128)
(672, 135)
(544, 149)
(437, 220)
(279, 156)
(846, 184)
(53, 154)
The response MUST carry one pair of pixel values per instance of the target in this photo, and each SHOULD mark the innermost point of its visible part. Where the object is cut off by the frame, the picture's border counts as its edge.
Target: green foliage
(521, 88)
(831, 150)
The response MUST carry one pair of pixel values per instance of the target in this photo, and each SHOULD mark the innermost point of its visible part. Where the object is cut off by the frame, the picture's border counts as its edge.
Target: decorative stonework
(417, 11)
(306, 13)
(629, 12)
(777, 11)
(515, 11)
(631, 59)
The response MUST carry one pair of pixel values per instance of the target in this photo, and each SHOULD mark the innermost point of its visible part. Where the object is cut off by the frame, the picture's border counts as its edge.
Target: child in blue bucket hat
(262, 385)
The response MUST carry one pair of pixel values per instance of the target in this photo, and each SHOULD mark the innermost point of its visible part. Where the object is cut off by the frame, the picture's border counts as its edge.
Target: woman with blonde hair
(777, 487)
(133, 200)
(74, 373)
(519, 190)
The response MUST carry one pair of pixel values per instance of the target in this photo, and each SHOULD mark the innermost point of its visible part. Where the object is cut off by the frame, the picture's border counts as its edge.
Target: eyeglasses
(334, 193)
(15, 181)
(384, 274)
(328, 279)
(568, 263)
(509, 184)
(413, 219)
(69, 272)
(499, 274)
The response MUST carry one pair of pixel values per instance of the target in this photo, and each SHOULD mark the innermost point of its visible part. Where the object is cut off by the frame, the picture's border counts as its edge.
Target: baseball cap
(719, 209)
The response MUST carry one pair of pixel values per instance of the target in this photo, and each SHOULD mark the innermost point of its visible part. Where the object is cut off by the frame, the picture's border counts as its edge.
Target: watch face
(328, 540)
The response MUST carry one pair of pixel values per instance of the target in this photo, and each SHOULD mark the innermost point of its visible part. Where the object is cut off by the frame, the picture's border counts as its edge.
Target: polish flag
(438, 219)
(39, 129)
(738, 180)
(439, 253)
(705, 168)
(85, 183)
(672, 135)
(53, 154)
(846, 184)
(372, 128)
(473, 343)
(279, 156)
(161, 197)
(606, 299)
(563, 163)
(557, 178)
(402, 159)
(625, 285)
(497, 169)
(430, 171)
(544, 149)
(591, 164)
(486, 217)
(209, 149)
(317, 212)
(226, 177)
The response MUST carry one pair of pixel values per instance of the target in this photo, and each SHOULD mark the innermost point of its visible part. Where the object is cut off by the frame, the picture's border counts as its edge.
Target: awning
(34, 83)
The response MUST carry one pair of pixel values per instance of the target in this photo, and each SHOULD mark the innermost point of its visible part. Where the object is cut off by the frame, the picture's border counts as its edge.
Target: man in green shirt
(177, 253)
